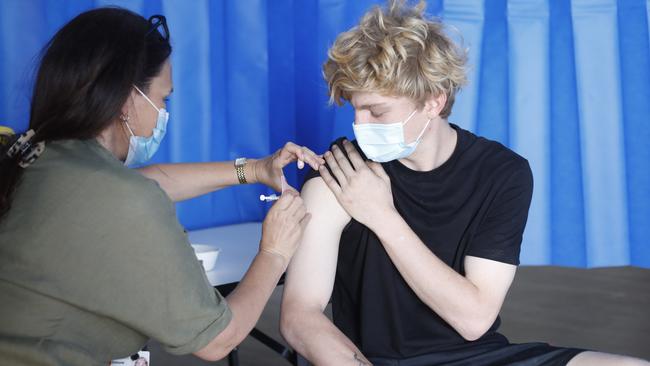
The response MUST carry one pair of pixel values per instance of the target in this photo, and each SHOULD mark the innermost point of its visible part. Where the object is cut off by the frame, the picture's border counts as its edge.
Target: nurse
(93, 261)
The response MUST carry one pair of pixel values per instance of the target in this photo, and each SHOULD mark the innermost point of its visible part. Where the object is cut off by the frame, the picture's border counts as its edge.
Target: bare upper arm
(492, 279)
(310, 276)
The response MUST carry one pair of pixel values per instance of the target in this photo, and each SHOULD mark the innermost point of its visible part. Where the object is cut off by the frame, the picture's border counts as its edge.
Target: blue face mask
(385, 142)
(141, 149)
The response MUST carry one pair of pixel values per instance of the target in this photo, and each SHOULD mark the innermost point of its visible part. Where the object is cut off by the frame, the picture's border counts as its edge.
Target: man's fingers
(329, 180)
(335, 168)
(378, 169)
(354, 156)
(343, 162)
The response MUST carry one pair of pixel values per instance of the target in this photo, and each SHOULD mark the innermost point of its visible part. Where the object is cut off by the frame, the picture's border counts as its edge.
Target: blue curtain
(564, 83)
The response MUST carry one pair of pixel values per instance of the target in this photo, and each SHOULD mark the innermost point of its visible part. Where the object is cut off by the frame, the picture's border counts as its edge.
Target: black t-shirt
(476, 203)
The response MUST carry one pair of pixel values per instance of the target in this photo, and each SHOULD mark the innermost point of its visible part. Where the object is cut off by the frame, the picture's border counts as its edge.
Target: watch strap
(239, 169)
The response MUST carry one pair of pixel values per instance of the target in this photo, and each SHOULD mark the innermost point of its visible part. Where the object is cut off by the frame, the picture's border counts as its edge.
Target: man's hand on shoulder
(362, 188)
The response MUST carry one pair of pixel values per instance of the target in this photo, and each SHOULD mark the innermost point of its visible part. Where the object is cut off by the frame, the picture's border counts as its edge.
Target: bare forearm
(249, 298)
(451, 295)
(188, 180)
(314, 336)
(246, 303)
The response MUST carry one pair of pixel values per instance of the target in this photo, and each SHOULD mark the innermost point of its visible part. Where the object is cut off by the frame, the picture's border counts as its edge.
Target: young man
(418, 248)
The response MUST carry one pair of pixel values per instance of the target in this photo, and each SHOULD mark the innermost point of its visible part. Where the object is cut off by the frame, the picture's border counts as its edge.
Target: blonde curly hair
(396, 51)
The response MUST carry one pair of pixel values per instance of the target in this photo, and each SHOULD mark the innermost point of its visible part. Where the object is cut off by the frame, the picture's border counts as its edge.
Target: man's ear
(434, 105)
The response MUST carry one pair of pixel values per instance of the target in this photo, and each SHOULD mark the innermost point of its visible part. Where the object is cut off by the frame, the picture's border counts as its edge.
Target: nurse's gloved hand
(283, 226)
(269, 169)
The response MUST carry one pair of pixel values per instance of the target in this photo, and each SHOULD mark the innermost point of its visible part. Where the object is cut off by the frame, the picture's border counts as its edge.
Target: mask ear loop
(125, 120)
(409, 117)
(423, 130)
(147, 98)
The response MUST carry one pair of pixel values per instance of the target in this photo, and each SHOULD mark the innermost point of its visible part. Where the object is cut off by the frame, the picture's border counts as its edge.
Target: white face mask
(385, 142)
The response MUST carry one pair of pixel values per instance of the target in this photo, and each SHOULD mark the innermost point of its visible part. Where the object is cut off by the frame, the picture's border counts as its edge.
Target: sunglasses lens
(159, 24)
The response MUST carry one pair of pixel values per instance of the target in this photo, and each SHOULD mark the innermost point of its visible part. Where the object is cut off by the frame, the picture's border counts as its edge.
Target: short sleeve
(499, 235)
(137, 267)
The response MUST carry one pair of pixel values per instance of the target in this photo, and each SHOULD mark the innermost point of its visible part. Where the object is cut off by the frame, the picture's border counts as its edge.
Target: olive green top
(93, 263)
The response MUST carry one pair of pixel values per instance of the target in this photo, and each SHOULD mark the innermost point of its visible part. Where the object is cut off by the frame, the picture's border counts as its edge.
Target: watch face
(240, 161)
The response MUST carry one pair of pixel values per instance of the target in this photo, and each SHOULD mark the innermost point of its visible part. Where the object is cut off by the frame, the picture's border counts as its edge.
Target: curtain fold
(565, 159)
(566, 84)
(528, 100)
(599, 105)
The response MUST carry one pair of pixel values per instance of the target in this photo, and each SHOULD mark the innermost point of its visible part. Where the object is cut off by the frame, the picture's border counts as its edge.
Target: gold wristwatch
(240, 163)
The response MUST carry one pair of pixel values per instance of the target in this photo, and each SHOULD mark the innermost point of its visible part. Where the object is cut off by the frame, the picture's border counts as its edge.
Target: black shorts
(538, 354)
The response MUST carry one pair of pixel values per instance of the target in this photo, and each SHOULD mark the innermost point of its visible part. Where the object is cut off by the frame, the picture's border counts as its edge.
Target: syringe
(273, 197)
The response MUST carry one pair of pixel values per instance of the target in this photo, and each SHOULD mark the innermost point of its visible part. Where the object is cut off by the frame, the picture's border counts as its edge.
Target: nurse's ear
(433, 105)
(129, 111)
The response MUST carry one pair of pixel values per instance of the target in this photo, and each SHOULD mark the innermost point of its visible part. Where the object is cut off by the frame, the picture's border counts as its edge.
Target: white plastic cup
(207, 255)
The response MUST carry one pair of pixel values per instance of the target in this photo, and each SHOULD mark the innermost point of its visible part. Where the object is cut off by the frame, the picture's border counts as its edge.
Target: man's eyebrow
(371, 105)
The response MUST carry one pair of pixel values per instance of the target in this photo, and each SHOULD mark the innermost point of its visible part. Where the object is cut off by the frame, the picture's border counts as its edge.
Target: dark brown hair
(86, 74)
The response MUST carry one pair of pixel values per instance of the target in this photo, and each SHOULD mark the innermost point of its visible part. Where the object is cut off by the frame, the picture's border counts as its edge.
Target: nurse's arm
(309, 283)
(246, 303)
(188, 180)
(281, 233)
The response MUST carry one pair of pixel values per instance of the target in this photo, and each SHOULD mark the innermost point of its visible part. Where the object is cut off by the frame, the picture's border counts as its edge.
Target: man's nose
(362, 117)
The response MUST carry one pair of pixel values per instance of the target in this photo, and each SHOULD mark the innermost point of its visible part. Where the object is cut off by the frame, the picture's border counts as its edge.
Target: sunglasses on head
(156, 21)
